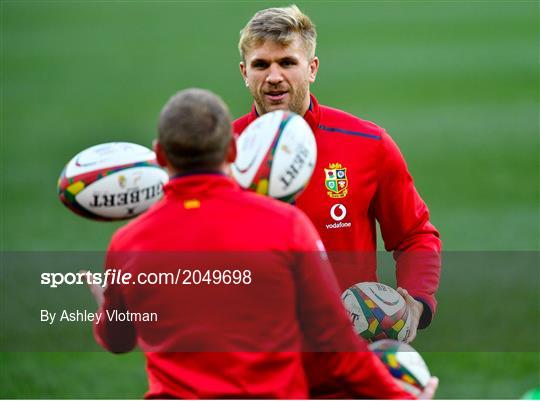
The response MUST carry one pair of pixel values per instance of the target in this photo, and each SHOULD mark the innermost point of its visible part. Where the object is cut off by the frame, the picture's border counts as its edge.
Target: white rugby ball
(276, 155)
(405, 364)
(377, 311)
(112, 181)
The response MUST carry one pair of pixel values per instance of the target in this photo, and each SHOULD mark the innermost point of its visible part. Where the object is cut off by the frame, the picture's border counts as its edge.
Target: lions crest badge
(336, 181)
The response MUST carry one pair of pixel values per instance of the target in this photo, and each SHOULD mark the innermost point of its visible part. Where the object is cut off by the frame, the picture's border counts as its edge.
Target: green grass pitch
(455, 83)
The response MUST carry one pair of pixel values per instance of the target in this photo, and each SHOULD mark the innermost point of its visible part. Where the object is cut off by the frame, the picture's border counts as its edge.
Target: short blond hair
(279, 25)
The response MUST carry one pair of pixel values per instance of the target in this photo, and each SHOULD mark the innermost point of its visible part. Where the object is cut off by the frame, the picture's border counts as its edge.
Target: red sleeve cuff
(427, 314)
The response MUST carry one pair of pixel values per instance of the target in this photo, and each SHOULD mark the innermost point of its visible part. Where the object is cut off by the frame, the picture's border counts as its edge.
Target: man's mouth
(276, 96)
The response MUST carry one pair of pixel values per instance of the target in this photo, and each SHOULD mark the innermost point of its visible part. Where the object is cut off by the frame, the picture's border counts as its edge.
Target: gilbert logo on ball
(112, 181)
(377, 311)
(276, 155)
(404, 363)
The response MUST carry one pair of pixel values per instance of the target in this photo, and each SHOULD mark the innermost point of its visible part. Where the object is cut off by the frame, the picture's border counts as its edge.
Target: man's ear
(160, 154)
(231, 151)
(313, 68)
(243, 71)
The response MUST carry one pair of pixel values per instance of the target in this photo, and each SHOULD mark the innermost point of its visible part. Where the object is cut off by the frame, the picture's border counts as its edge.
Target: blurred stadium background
(455, 83)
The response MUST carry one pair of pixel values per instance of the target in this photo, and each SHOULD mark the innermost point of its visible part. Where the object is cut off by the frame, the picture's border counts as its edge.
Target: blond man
(360, 178)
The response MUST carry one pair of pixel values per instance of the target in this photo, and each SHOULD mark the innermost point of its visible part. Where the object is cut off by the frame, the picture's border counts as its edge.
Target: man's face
(279, 76)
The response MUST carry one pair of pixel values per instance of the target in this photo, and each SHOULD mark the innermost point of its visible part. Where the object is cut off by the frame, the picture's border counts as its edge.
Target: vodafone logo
(338, 212)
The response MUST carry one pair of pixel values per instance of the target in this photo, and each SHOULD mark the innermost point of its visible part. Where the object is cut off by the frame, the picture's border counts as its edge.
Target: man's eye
(288, 63)
(260, 65)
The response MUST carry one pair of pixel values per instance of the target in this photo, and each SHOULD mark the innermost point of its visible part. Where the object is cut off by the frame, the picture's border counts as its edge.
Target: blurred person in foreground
(224, 341)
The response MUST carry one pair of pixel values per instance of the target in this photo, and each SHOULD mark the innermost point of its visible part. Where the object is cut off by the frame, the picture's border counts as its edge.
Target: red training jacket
(290, 302)
(361, 177)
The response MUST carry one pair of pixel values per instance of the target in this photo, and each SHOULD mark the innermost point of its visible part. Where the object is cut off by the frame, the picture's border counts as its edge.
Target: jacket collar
(201, 183)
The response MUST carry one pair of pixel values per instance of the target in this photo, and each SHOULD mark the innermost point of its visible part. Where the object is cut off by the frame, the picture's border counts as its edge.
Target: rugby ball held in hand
(404, 363)
(112, 181)
(276, 155)
(377, 311)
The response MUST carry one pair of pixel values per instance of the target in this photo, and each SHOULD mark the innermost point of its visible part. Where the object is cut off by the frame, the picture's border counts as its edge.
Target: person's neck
(307, 103)
(175, 173)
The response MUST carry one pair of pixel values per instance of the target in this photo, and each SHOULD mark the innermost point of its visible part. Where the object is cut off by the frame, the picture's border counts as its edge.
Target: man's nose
(274, 76)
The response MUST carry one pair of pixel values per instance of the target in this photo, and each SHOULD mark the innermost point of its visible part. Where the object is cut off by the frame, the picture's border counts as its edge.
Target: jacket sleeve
(338, 355)
(406, 230)
(113, 335)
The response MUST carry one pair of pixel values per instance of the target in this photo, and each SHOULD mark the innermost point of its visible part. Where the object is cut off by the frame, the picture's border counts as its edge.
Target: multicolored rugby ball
(377, 311)
(404, 363)
(112, 181)
(276, 155)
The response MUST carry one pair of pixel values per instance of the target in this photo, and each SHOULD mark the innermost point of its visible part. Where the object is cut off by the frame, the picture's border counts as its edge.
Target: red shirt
(360, 178)
(292, 304)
